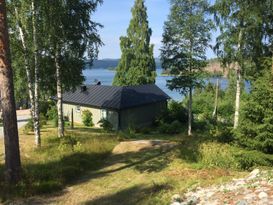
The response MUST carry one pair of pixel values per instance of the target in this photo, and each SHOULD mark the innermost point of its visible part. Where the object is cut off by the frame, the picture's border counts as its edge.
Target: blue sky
(115, 16)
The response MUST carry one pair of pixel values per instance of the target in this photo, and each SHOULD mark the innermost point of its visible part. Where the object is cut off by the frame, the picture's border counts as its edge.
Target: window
(103, 114)
(78, 108)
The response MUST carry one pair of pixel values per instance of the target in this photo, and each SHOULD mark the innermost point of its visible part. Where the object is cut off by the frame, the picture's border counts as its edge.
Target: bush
(52, 113)
(87, 118)
(29, 127)
(45, 107)
(247, 160)
(106, 125)
(175, 112)
(226, 156)
(222, 134)
(173, 128)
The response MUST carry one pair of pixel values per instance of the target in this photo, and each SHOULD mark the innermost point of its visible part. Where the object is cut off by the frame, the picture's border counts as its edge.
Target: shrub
(175, 111)
(222, 134)
(45, 107)
(249, 159)
(29, 127)
(87, 118)
(213, 154)
(52, 113)
(106, 125)
(173, 128)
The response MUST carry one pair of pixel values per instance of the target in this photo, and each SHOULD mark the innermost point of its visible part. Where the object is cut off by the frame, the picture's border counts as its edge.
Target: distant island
(111, 64)
(214, 66)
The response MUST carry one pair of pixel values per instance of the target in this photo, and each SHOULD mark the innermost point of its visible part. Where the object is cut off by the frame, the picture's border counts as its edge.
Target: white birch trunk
(26, 64)
(237, 100)
(59, 96)
(238, 87)
(190, 113)
(36, 80)
(215, 111)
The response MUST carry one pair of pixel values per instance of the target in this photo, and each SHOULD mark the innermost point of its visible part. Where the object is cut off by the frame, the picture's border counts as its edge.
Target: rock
(263, 195)
(193, 200)
(242, 202)
(176, 198)
(253, 174)
(175, 203)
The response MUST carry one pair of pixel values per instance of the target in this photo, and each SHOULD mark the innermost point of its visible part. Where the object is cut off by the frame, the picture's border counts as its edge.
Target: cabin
(122, 106)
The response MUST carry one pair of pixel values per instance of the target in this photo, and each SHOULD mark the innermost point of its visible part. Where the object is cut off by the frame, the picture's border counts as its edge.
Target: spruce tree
(137, 64)
(256, 123)
(185, 40)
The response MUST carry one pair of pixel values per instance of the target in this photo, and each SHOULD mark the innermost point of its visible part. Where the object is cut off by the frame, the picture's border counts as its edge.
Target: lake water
(106, 77)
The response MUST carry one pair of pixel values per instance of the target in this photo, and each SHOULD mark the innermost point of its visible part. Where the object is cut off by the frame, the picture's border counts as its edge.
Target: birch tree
(12, 153)
(71, 35)
(185, 40)
(25, 27)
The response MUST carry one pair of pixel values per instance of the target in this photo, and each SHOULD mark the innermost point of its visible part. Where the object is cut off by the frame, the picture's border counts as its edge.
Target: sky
(115, 16)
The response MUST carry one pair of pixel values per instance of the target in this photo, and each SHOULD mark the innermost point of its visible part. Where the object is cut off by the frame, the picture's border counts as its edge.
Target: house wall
(141, 116)
(112, 116)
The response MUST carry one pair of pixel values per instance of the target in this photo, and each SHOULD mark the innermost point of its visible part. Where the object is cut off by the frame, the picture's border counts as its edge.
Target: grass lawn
(82, 170)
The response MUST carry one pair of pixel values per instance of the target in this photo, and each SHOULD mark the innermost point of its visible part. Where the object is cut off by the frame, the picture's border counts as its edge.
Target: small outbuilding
(122, 106)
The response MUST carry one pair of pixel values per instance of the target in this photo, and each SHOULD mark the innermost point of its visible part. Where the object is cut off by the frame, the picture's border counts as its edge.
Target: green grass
(82, 170)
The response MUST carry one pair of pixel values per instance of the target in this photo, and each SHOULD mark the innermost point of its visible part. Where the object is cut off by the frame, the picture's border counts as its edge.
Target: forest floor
(83, 169)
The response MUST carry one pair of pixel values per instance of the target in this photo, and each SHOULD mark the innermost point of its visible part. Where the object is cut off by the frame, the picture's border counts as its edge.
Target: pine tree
(12, 152)
(185, 40)
(137, 64)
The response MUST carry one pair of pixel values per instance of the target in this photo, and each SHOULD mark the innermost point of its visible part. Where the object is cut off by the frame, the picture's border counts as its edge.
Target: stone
(176, 198)
(193, 200)
(242, 202)
(253, 174)
(263, 195)
(175, 203)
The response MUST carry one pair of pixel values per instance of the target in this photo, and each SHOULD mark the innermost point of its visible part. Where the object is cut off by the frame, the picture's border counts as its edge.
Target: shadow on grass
(76, 168)
(130, 196)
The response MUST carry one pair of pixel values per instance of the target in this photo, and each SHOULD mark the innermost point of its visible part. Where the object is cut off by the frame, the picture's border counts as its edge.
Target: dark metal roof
(116, 97)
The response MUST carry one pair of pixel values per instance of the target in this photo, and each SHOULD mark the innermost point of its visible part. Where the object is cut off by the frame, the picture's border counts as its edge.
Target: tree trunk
(12, 152)
(190, 113)
(215, 111)
(26, 64)
(238, 86)
(36, 80)
(59, 96)
(237, 100)
(72, 118)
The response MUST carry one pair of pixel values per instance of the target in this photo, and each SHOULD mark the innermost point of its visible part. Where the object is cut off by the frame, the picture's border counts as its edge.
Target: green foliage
(242, 33)
(173, 128)
(52, 114)
(87, 118)
(226, 156)
(137, 64)
(185, 39)
(106, 125)
(29, 127)
(256, 126)
(175, 111)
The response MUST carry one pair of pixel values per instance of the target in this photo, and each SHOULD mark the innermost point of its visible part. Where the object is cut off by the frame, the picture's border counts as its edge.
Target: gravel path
(22, 118)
